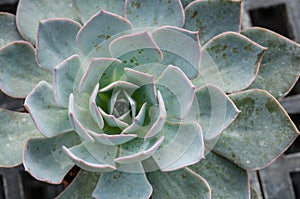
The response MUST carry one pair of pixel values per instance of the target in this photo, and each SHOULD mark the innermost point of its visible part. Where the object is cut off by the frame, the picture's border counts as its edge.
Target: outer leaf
(171, 41)
(280, 66)
(225, 179)
(150, 13)
(45, 160)
(8, 29)
(111, 185)
(85, 160)
(43, 9)
(183, 183)
(183, 146)
(19, 72)
(56, 41)
(81, 187)
(15, 129)
(63, 80)
(91, 35)
(236, 60)
(261, 132)
(87, 9)
(216, 110)
(49, 119)
(211, 18)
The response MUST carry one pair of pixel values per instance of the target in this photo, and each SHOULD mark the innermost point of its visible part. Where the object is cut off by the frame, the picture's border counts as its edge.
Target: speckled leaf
(49, 119)
(138, 150)
(171, 41)
(15, 129)
(64, 76)
(81, 157)
(8, 29)
(260, 133)
(19, 76)
(154, 13)
(90, 36)
(183, 183)
(225, 179)
(183, 146)
(40, 10)
(236, 60)
(82, 186)
(216, 110)
(56, 41)
(211, 18)
(111, 185)
(45, 160)
(280, 66)
(87, 9)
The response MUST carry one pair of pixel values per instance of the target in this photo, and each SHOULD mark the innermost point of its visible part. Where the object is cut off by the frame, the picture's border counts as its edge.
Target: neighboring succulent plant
(152, 97)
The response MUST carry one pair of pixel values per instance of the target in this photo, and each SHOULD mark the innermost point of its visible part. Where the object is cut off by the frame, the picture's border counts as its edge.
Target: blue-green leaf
(19, 71)
(15, 129)
(50, 119)
(211, 18)
(45, 160)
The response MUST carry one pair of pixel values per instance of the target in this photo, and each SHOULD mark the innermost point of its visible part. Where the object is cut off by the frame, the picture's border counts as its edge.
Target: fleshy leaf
(160, 120)
(82, 186)
(95, 70)
(8, 29)
(56, 41)
(145, 82)
(111, 185)
(102, 152)
(171, 41)
(87, 9)
(81, 157)
(280, 66)
(138, 150)
(260, 133)
(139, 44)
(19, 76)
(112, 121)
(137, 121)
(112, 139)
(81, 119)
(182, 89)
(63, 80)
(183, 146)
(183, 183)
(236, 60)
(90, 36)
(225, 179)
(211, 18)
(216, 110)
(154, 13)
(44, 9)
(44, 158)
(93, 107)
(15, 129)
(50, 119)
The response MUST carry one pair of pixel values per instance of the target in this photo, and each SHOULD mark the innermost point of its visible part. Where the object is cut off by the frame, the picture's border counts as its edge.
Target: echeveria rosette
(134, 93)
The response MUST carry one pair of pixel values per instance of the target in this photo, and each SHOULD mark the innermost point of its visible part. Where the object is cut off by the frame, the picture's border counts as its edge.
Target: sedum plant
(160, 98)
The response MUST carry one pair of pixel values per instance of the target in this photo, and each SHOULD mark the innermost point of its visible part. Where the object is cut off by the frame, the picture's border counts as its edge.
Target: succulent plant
(161, 98)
